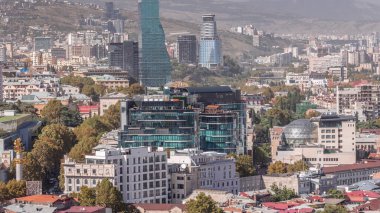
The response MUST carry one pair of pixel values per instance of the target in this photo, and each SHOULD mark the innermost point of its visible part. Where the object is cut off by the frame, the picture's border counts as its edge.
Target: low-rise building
(110, 99)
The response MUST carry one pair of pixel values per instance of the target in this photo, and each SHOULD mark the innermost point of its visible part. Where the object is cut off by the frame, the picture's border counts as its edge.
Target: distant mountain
(275, 15)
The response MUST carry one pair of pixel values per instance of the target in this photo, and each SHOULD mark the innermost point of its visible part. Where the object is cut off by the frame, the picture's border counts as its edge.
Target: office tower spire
(155, 66)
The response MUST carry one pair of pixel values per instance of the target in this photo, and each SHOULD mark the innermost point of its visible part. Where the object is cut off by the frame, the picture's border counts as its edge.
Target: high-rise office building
(126, 56)
(109, 13)
(187, 49)
(155, 66)
(43, 43)
(1, 83)
(210, 45)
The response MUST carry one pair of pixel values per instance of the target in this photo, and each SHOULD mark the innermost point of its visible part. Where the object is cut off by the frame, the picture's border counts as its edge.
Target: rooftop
(11, 118)
(84, 209)
(350, 167)
(216, 89)
(159, 207)
(39, 199)
(30, 208)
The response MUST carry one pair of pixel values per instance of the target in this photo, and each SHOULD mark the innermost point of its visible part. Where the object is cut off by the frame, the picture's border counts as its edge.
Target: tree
(282, 194)
(334, 209)
(87, 196)
(333, 193)
(70, 118)
(277, 167)
(135, 89)
(244, 165)
(61, 135)
(298, 166)
(4, 194)
(108, 196)
(260, 155)
(202, 204)
(16, 188)
(51, 113)
(112, 116)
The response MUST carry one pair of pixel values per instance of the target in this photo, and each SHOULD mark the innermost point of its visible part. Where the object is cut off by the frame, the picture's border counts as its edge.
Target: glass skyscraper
(210, 45)
(155, 66)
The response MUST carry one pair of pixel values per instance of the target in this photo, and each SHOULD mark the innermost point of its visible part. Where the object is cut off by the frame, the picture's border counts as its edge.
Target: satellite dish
(183, 167)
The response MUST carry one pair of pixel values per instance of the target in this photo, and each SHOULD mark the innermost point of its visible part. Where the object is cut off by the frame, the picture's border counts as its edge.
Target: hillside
(283, 16)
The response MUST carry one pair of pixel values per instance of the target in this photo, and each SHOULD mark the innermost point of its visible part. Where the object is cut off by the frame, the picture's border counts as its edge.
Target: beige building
(328, 140)
(109, 100)
(111, 82)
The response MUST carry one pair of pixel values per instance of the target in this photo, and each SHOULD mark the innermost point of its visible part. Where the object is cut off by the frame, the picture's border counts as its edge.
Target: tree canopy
(282, 194)
(55, 113)
(279, 167)
(202, 204)
(108, 196)
(244, 165)
(334, 209)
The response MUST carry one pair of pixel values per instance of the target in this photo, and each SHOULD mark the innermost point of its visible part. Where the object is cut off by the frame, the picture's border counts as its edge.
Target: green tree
(4, 194)
(61, 135)
(70, 118)
(16, 188)
(298, 166)
(135, 89)
(244, 165)
(87, 196)
(277, 167)
(334, 209)
(109, 196)
(282, 194)
(202, 204)
(112, 116)
(51, 113)
(261, 156)
(333, 193)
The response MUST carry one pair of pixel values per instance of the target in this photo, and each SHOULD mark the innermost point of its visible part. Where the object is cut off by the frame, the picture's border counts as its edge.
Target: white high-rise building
(139, 173)
(3, 54)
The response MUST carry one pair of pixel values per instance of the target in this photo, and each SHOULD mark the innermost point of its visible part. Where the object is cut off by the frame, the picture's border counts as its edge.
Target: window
(69, 180)
(94, 171)
(78, 181)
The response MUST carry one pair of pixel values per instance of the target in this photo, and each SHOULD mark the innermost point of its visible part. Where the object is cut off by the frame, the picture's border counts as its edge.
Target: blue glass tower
(155, 66)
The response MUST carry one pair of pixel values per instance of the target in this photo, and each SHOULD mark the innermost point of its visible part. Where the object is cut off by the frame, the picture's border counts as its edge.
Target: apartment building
(201, 170)
(140, 174)
(366, 96)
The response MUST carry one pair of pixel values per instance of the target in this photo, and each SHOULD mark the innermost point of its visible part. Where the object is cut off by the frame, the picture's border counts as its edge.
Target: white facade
(139, 173)
(322, 64)
(202, 170)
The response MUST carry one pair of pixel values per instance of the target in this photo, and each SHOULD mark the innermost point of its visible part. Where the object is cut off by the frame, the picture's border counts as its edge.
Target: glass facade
(155, 124)
(218, 132)
(155, 66)
(210, 53)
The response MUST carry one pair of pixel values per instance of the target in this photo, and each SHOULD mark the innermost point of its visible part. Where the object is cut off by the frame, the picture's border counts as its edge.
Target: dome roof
(300, 132)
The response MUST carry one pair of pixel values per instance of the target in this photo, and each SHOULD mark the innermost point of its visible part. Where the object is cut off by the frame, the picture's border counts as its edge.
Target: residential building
(3, 53)
(58, 52)
(155, 66)
(139, 173)
(110, 82)
(366, 97)
(201, 170)
(110, 99)
(125, 56)
(114, 71)
(322, 64)
(210, 44)
(187, 49)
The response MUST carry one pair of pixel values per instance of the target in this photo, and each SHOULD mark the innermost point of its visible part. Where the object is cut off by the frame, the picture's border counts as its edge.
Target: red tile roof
(350, 167)
(362, 196)
(39, 199)
(159, 207)
(87, 109)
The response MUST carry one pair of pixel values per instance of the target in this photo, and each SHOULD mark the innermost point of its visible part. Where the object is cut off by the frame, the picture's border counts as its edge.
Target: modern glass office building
(210, 45)
(218, 132)
(157, 124)
(155, 66)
